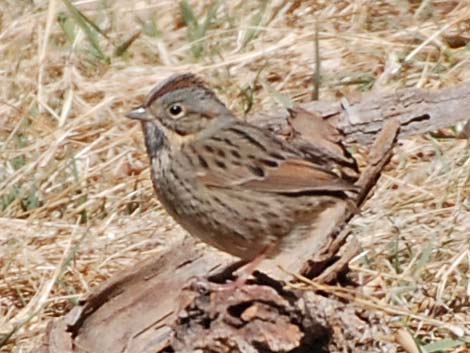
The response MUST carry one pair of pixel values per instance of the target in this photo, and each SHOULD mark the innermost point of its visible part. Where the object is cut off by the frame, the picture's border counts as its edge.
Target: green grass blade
(188, 16)
(442, 345)
(194, 29)
(88, 27)
(68, 26)
(282, 99)
(197, 31)
(255, 22)
(122, 48)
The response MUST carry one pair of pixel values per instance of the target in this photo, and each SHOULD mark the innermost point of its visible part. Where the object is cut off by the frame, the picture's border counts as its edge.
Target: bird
(233, 185)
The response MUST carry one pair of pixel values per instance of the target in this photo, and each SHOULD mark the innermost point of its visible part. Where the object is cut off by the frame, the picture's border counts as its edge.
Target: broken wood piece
(326, 254)
(321, 142)
(249, 319)
(134, 307)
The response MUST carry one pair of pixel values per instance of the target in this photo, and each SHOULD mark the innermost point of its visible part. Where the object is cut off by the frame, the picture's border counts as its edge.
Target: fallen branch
(418, 111)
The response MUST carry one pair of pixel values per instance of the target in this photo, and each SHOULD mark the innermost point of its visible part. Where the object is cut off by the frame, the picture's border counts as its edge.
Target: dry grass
(75, 198)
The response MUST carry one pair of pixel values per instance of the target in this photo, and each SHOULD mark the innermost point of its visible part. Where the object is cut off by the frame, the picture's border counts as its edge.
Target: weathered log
(418, 111)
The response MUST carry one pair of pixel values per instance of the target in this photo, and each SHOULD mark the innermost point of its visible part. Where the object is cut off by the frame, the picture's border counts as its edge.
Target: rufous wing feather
(291, 176)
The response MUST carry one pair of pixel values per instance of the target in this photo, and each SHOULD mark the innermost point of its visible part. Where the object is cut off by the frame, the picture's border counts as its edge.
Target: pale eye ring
(176, 110)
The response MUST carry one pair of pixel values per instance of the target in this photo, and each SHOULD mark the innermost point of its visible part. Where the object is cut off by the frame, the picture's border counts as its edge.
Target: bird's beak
(139, 113)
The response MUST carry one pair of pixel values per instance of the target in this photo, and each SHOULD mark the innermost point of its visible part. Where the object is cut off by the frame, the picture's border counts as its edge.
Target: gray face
(188, 110)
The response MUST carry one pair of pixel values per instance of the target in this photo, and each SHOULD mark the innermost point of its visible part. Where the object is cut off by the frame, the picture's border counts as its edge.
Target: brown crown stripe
(173, 83)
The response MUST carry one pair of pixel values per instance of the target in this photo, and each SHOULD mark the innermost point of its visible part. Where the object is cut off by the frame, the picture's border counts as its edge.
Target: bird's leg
(245, 271)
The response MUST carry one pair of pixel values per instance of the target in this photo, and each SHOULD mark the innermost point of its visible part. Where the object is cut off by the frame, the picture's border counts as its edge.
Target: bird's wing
(247, 157)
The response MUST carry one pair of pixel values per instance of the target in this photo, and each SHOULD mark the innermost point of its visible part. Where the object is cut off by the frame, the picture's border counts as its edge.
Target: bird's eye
(175, 110)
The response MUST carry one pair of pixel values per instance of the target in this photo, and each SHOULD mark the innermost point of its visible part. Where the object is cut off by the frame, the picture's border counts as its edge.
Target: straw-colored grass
(76, 202)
